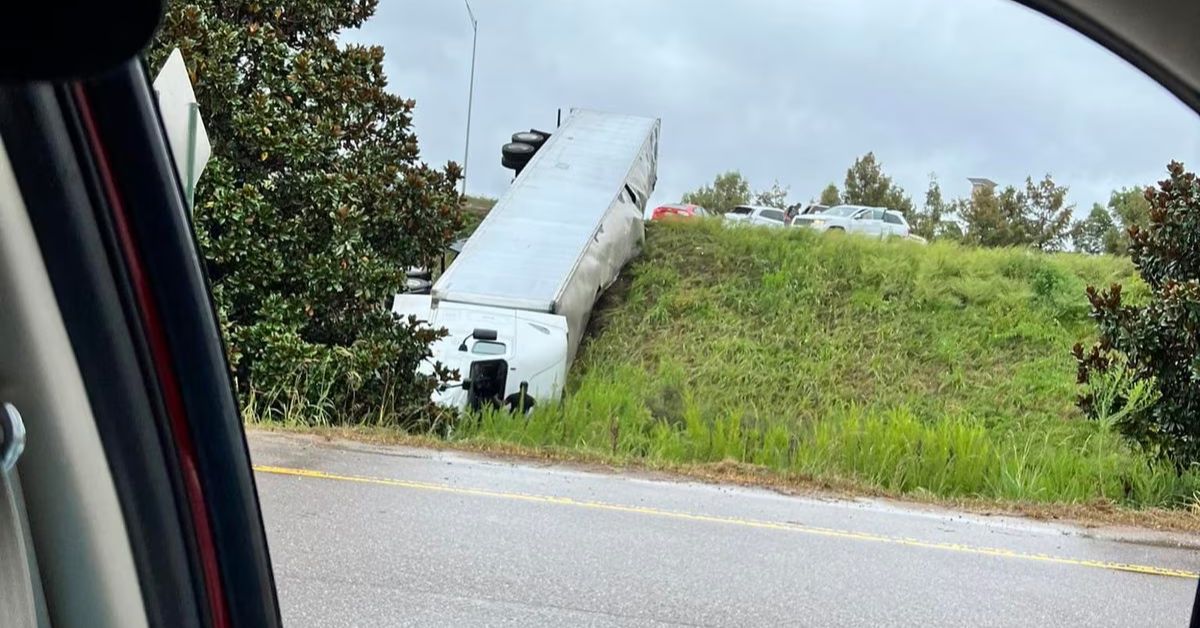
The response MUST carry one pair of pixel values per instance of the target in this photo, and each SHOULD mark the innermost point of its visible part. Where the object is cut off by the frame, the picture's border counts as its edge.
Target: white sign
(182, 121)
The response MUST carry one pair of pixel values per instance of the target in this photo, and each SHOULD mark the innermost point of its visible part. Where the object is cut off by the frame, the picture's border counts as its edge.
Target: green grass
(474, 209)
(937, 369)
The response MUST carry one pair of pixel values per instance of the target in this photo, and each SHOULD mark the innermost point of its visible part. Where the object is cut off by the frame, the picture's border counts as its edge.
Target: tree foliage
(1097, 233)
(312, 206)
(993, 218)
(866, 184)
(830, 196)
(1046, 215)
(927, 222)
(1157, 343)
(1129, 208)
(1036, 215)
(774, 196)
(727, 191)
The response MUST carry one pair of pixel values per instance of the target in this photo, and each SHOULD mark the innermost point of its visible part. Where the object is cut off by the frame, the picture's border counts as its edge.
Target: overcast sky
(791, 90)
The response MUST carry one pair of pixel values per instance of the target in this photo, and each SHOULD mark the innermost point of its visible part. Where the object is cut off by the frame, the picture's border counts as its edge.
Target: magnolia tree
(314, 203)
(1143, 374)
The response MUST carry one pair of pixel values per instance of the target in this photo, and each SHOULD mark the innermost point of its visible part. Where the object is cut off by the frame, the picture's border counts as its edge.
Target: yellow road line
(737, 521)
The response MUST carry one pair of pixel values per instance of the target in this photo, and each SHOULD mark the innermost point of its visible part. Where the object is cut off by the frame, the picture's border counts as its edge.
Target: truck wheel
(511, 164)
(517, 150)
(515, 155)
(533, 138)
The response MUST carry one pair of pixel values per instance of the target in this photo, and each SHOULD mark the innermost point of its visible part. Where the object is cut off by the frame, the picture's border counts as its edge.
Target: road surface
(373, 536)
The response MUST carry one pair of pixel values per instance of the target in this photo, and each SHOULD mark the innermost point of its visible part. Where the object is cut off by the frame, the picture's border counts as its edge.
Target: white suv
(876, 221)
(754, 215)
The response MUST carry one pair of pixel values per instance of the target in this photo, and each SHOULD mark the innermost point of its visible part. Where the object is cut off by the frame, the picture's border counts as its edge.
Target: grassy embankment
(916, 370)
(475, 208)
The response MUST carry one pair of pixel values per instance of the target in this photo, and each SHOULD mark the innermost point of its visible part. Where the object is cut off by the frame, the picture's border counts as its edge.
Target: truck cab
(504, 357)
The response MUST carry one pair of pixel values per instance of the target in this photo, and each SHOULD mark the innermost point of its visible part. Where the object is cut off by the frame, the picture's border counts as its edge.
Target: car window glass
(773, 214)
(891, 218)
(744, 211)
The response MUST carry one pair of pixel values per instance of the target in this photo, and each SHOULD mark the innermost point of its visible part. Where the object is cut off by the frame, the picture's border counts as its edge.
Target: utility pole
(470, 93)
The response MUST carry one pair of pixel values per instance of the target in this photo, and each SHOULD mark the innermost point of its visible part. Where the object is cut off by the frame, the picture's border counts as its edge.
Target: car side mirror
(466, 384)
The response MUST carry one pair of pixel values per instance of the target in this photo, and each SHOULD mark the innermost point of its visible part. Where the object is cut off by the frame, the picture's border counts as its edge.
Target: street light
(470, 93)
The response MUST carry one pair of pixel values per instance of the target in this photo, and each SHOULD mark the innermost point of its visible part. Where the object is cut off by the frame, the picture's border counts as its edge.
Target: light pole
(470, 93)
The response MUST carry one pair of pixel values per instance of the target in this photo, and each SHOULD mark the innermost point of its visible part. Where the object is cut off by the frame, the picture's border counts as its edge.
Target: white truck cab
(504, 357)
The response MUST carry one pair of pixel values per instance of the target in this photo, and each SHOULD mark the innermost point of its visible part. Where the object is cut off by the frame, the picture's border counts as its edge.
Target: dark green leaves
(1159, 341)
(313, 205)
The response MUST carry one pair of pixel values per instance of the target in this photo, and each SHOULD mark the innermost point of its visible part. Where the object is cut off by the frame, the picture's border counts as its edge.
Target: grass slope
(910, 368)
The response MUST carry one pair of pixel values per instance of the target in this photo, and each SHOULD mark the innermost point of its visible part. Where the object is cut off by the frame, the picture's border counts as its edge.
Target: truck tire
(517, 150)
(512, 164)
(533, 138)
(515, 155)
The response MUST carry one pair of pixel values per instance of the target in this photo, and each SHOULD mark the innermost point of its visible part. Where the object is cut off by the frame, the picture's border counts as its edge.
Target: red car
(679, 210)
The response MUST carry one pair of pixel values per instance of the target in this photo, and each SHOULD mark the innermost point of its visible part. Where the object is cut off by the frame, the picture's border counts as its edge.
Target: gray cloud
(792, 91)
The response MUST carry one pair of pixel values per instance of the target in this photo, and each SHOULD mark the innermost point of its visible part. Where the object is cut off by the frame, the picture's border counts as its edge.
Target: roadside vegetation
(939, 369)
(942, 370)
(313, 206)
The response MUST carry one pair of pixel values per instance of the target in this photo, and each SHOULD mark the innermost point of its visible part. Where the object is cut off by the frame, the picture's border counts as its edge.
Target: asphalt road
(373, 536)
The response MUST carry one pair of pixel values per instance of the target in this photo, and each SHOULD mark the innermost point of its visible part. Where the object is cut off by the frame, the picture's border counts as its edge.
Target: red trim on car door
(161, 354)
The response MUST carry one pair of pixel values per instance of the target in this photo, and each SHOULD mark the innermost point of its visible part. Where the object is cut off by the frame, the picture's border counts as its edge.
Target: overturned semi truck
(517, 299)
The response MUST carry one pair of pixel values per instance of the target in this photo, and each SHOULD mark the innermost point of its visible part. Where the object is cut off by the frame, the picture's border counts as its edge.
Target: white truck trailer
(517, 300)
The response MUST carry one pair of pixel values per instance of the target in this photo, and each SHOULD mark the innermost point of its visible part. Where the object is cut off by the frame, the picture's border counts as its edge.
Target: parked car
(811, 208)
(754, 215)
(876, 221)
(679, 210)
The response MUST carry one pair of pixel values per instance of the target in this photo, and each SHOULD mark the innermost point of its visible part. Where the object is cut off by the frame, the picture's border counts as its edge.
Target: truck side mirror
(479, 334)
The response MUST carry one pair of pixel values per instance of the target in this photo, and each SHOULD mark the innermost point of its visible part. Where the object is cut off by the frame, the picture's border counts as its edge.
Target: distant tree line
(1035, 214)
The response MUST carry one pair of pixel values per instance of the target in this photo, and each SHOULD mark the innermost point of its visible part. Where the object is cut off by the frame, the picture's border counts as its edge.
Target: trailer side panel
(570, 221)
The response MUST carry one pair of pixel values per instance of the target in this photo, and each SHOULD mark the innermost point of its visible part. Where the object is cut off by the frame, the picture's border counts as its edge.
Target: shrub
(311, 208)
(1157, 342)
